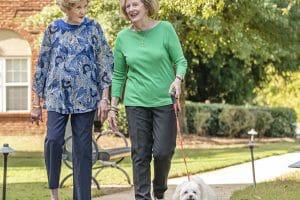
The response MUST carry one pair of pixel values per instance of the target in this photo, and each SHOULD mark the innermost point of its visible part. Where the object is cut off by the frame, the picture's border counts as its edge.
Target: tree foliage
(281, 92)
(229, 44)
(229, 52)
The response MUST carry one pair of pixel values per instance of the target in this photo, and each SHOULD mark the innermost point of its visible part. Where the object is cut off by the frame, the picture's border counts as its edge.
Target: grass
(27, 175)
(285, 187)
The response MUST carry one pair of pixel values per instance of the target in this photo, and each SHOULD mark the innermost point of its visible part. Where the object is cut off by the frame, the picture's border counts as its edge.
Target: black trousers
(82, 126)
(152, 133)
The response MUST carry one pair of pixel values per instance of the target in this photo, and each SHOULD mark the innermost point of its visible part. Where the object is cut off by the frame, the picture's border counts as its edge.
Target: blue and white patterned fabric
(75, 64)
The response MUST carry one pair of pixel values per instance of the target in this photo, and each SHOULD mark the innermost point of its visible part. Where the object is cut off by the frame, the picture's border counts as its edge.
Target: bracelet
(106, 100)
(36, 106)
(115, 111)
(178, 77)
(114, 107)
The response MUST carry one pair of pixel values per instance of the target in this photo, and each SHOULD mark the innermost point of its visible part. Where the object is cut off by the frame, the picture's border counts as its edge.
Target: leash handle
(176, 105)
(173, 93)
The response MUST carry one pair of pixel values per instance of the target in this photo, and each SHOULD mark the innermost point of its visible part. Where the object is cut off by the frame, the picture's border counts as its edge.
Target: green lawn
(285, 187)
(27, 175)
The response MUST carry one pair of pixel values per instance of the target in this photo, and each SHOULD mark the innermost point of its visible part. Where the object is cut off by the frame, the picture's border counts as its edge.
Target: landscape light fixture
(251, 146)
(5, 150)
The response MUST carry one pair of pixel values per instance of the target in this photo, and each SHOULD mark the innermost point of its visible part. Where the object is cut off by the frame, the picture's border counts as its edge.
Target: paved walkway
(225, 181)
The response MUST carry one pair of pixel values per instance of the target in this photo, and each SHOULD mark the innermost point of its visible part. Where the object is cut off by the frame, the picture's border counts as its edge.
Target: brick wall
(12, 13)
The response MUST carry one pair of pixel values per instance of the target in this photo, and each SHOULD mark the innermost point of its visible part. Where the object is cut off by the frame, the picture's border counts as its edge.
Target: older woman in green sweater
(149, 65)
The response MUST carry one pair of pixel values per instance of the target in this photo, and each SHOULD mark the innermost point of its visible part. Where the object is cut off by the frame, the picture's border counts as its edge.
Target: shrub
(263, 122)
(236, 121)
(190, 113)
(228, 120)
(282, 126)
(200, 122)
(211, 125)
(268, 122)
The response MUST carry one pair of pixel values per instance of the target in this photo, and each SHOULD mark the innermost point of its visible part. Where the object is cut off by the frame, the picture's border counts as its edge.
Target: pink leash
(177, 108)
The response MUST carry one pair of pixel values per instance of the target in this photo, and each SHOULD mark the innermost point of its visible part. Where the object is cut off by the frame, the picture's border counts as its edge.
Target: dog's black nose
(191, 197)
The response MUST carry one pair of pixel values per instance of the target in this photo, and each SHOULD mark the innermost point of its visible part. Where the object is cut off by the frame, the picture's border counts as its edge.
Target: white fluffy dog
(195, 189)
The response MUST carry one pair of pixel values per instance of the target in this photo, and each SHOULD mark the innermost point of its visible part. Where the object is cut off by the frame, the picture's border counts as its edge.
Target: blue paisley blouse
(75, 64)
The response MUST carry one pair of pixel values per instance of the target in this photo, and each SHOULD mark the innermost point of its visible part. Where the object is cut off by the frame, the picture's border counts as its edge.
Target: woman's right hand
(112, 114)
(112, 120)
(36, 115)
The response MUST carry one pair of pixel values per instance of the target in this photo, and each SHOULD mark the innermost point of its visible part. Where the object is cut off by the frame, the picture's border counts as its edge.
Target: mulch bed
(194, 141)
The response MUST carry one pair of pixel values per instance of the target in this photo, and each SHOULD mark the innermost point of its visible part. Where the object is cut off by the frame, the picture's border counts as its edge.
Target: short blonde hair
(151, 5)
(65, 4)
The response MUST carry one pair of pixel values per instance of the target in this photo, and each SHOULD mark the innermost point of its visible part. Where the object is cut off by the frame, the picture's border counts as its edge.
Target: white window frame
(4, 85)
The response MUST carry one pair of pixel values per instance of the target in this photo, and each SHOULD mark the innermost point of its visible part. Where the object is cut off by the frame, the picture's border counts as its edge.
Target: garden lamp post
(5, 150)
(251, 145)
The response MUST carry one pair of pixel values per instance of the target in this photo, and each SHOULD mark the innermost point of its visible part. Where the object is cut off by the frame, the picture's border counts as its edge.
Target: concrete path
(225, 181)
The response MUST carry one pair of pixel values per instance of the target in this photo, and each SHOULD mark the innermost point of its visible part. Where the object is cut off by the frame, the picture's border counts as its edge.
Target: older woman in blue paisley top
(72, 76)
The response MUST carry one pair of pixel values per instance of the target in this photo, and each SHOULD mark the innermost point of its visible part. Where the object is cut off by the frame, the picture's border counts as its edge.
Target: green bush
(228, 120)
(211, 124)
(190, 113)
(236, 121)
(200, 122)
(263, 122)
(282, 126)
(206, 119)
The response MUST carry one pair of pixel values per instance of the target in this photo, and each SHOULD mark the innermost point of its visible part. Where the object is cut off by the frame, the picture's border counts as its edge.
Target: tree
(281, 92)
(229, 44)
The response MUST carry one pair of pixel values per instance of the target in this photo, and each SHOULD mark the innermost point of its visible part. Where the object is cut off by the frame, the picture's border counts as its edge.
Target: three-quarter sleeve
(175, 51)
(42, 67)
(119, 75)
(105, 61)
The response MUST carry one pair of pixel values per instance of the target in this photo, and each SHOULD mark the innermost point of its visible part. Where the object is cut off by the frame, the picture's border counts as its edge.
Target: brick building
(17, 63)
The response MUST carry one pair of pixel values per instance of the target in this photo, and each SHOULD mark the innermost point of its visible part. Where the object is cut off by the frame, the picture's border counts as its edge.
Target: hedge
(230, 121)
(236, 121)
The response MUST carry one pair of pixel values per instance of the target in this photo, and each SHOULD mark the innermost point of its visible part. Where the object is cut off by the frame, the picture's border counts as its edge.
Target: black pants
(82, 126)
(152, 133)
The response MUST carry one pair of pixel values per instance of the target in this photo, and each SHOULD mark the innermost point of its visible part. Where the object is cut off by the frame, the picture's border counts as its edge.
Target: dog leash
(177, 108)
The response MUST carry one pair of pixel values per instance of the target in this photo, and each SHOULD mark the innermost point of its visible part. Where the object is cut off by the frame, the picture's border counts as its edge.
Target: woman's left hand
(175, 87)
(36, 115)
(103, 109)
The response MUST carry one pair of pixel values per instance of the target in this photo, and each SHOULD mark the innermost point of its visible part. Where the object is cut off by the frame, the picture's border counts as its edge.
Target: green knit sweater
(146, 63)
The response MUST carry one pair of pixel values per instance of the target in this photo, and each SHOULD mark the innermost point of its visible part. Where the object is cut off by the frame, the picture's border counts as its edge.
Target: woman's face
(135, 10)
(77, 12)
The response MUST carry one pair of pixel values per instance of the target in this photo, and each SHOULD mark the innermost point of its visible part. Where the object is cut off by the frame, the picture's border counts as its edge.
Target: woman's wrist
(115, 111)
(178, 77)
(114, 108)
(36, 106)
(105, 99)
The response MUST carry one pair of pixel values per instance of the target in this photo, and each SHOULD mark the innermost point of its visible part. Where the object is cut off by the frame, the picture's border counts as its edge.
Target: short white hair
(63, 4)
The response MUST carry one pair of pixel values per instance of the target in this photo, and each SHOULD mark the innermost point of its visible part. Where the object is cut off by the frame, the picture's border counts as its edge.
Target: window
(15, 60)
(14, 84)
